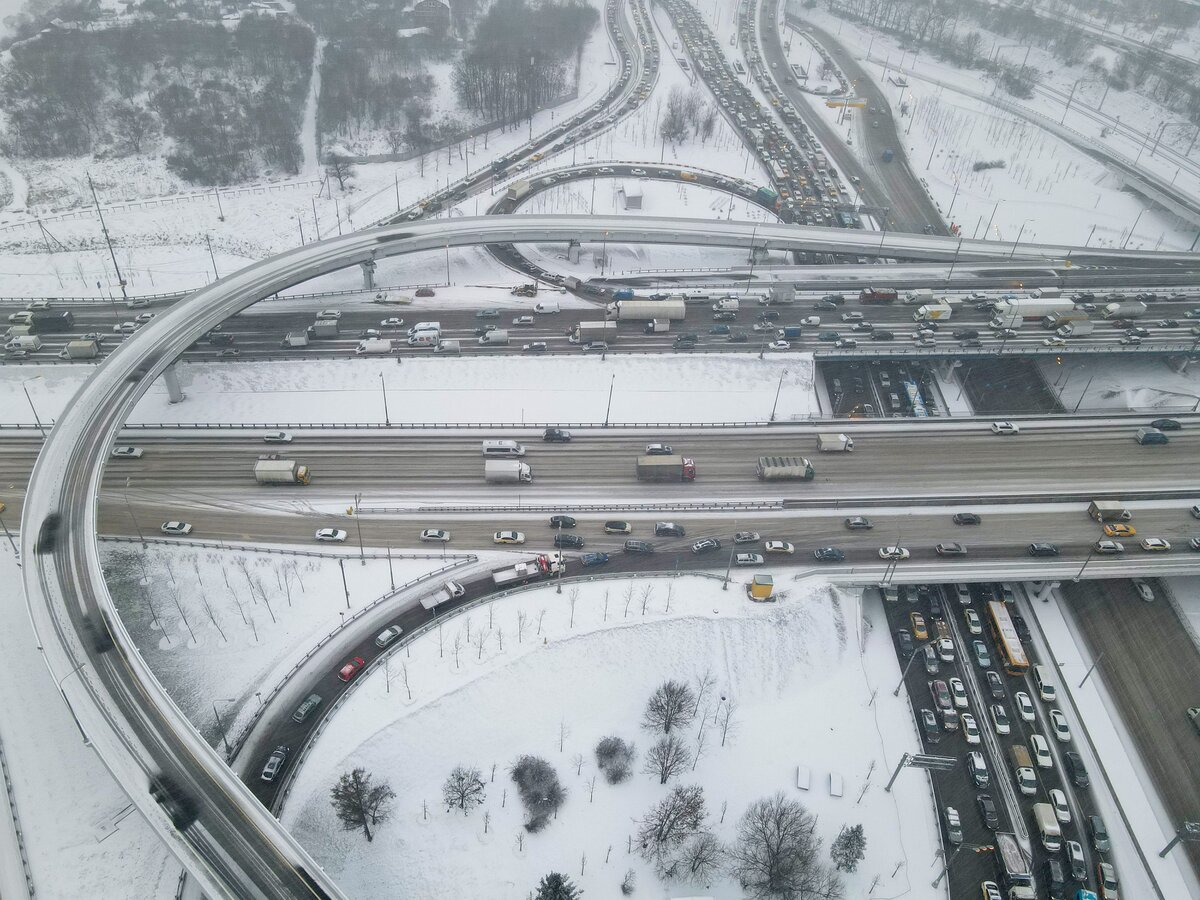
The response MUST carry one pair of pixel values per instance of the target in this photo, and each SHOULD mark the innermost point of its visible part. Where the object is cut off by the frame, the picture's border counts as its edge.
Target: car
(331, 535)
(1006, 428)
(779, 547)
(392, 322)
(974, 624)
(1108, 547)
(1119, 529)
(508, 537)
(859, 523)
(830, 554)
(1130, 340)
(638, 172)
(966, 519)
(829, 336)
(632, 546)
(963, 593)
(370, 333)
(1166, 323)
(879, 335)
(958, 693)
(970, 729)
(1041, 751)
(1024, 706)
(995, 684)
(951, 548)
(950, 719)
(1075, 859)
(617, 527)
(1166, 425)
(329, 314)
(230, 352)
(593, 559)
(935, 605)
(982, 657)
(562, 522)
(987, 811)
(352, 668)
(1106, 876)
(1155, 544)
(277, 437)
(852, 317)
(1026, 780)
(918, 626)
(1098, 832)
(894, 553)
(932, 666)
(127, 452)
(1054, 342)
(568, 541)
(388, 635)
(274, 763)
(659, 450)
(748, 559)
(669, 529)
(595, 347)
(945, 650)
(1041, 548)
(523, 321)
(1196, 512)
(929, 726)
(1000, 719)
(954, 832)
(176, 528)
(305, 709)
(1062, 811)
(991, 891)
(488, 314)
(779, 345)
(706, 545)
(719, 329)
(746, 537)
(727, 315)
(1058, 724)
(905, 640)
(535, 347)
(977, 769)
(435, 535)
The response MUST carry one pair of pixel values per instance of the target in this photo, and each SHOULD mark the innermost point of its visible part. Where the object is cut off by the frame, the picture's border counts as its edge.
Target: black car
(972, 344)
(987, 811)
(829, 554)
(935, 605)
(1043, 549)
(1166, 425)
(1056, 879)
(1076, 769)
(562, 522)
(668, 529)
(995, 684)
(930, 727)
(905, 639)
(965, 334)
(633, 546)
(882, 336)
(725, 316)
(769, 315)
(1022, 628)
(1099, 834)
(967, 519)
(706, 545)
(858, 523)
(556, 436)
(835, 299)
(568, 541)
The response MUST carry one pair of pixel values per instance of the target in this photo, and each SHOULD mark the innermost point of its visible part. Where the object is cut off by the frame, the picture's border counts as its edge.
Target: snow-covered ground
(580, 668)
(1125, 384)
(83, 837)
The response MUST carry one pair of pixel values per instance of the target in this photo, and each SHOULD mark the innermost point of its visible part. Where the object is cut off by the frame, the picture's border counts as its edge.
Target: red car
(350, 669)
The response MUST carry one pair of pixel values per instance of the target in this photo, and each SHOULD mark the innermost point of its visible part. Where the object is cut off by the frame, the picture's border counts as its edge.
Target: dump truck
(451, 590)
(518, 189)
(1109, 511)
(761, 588)
(80, 350)
(374, 346)
(324, 328)
(931, 312)
(523, 572)
(281, 471)
(1014, 868)
(644, 310)
(784, 468)
(666, 468)
(48, 322)
(585, 332)
(835, 443)
(294, 339)
(1129, 310)
(506, 471)
(878, 295)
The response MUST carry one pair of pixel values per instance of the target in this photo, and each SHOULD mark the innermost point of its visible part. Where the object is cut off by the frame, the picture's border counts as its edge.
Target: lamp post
(221, 724)
(345, 587)
(8, 534)
(916, 653)
(1020, 232)
(778, 388)
(358, 523)
(1132, 227)
(128, 506)
(383, 387)
(608, 409)
(33, 408)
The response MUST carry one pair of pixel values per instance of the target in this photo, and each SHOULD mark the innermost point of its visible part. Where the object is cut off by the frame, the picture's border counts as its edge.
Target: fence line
(16, 820)
(319, 554)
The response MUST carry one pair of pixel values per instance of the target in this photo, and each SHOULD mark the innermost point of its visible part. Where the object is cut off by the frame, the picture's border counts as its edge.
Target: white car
(852, 317)
(659, 450)
(1006, 428)
(779, 345)
(1041, 751)
(435, 535)
(1027, 781)
(508, 537)
(894, 553)
(1024, 706)
(974, 625)
(811, 321)
(331, 535)
(329, 314)
(388, 635)
(638, 172)
(392, 322)
(125, 328)
(127, 452)
(1058, 724)
(1054, 342)
(521, 321)
(1000, 719)
(1061, 810)
(277, 437)
(970, 729)
(958, 693)
(1156, 544)
(778, 547)
(37, 304)
(180, 528)
(1144, 590)
(748, 559)
(143, 317)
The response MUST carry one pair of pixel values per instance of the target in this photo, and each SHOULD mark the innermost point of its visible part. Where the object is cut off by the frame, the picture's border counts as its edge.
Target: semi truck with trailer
(506, 471)
(835, 443)
(1031, 308)
(1014, 868)
(784, 468)
(281, 471)
(1128, 310)
(540, 567)
(644, 310)
(666, 468)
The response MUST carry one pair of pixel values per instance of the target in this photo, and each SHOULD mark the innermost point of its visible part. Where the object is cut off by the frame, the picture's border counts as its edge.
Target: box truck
(835, 443)
(506, 471)
(281, 471)
(784, 468)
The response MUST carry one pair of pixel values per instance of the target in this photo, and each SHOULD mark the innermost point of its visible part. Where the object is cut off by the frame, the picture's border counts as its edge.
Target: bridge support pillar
(1041, 590)
(175, 393)
(1179, 363)
(368, 270)
(574, 251)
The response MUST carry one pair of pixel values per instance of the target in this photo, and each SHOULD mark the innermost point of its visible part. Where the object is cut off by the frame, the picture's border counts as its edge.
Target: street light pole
(904, 674)
(33, 409)
(387, 420)
(778, 388)
(358, 523)
(221, 725)
(612, 384)
(345, 587)
(1020, 232)
(1092, 668)
(128, 506)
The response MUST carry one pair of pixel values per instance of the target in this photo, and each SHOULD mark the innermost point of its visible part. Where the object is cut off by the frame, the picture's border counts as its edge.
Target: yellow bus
(1012, 654)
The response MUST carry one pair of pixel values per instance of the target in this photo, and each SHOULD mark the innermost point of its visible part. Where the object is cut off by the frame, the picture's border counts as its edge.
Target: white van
(503, 449)
(424, 326)
(424, 339)
(1041, 677)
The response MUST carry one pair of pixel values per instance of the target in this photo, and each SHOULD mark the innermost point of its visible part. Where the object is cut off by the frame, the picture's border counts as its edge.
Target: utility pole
(107, 239)
(358, 522)
(383, 387)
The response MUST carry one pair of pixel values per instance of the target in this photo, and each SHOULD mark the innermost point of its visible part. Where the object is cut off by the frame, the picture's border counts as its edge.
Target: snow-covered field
(580, 668)
(1126, 384)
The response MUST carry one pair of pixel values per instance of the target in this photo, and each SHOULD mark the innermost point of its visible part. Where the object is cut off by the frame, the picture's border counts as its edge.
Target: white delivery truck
(374, 346)
(506, 471)
(920, 295)
(835, 443)
(546, 306)
(499, 337)
(80, 350)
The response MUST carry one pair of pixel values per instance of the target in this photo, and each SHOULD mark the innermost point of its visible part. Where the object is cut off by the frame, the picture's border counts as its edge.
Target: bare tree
(700, 858)
(458, 643)
(676, 818)
(404, 677)
(563, 733)
(647, 593)
(777, 853)
(522, 624)
(726, 721)
(628, 594)
(339, 165)
(577, 762)
(463, 789)
(360, 804)
(704, 684)
(671, 705)
(669, 756)
(480, 642)
(614, 757)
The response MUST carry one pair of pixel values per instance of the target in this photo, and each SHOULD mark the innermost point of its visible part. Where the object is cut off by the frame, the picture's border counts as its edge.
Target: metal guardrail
(242, 735)
(16, 820)
(236, 545)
